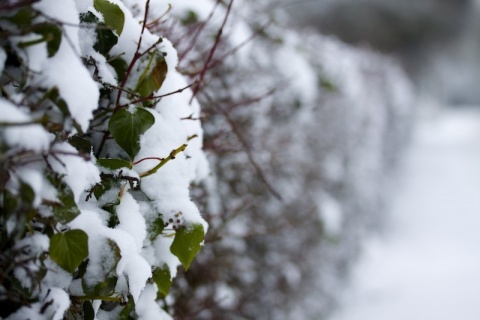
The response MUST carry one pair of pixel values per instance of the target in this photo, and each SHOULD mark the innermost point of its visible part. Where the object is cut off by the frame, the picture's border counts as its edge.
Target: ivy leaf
(114, 164)
(66, 209)
(109, 261)
(187, 243)
(126, 126)
(106, 39)
(120, 67)
(127, 310)
(22, 18)
(155, 73)
(189, 17)
(88, 311)
(52, 34)
(104, 288)
(155, 228)
(27, 193)
(10, 201)
(162, 278)
(69, 249)
(112, 14)
(81, 144)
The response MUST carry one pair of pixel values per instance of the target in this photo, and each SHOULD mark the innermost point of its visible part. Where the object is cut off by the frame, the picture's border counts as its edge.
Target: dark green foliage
(163, 280)
(69, 249)
(187, 243)
(65, 210)
(126, 126)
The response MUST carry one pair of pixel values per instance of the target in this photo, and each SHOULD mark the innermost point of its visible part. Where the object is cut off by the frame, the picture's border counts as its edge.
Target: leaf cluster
(112, 143)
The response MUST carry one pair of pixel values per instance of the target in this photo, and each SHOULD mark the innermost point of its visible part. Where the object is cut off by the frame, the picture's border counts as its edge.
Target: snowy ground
(427, 266)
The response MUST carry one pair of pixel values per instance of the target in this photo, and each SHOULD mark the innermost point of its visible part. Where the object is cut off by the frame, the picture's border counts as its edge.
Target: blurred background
(425, 264)
(344, 142)
(437, 40)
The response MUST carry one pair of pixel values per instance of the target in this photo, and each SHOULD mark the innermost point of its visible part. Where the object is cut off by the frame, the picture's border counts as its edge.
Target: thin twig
(18, 124)
(148, 158)
(161, 96)
(136, 56)
(194, 39)
(246, 147)
(212, 51)
(239, 46)
(10, 6)
(171, 156)
(154, 22)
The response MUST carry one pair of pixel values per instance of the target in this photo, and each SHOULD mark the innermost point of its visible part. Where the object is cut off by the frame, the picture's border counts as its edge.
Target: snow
(426, 266)
(147, 308)
(131, 220)
(56, 276)
(31, 137)
(65, 69)
(3, 58)
(132, 266)
(28, 248)
(162, 254)
(179, 7)
(52, 306)
(80, 174)
(331, 215)
(166, 193)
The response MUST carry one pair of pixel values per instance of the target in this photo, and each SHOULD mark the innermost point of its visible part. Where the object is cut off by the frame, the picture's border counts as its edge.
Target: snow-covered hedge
(97, 157)
(301, 132)
(101, 144)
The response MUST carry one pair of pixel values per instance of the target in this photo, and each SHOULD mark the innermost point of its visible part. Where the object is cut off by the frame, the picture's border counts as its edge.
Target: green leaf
(52, 34)
(189, 17)
(114, 164)
(82, 268)
(88, 312)
(120, 67)
(102, 187)
(10, 202)
(55, 97)
(163, 279)
(101, 289)
(27, 193)
(22, 18)
(66, 209)
(127, 309)
(126, 126)
(106, 39)
(152, 78)
(69, 249)
(155, 228)
(187, 243)
(109, 261)
(112, 14)
(81, 144)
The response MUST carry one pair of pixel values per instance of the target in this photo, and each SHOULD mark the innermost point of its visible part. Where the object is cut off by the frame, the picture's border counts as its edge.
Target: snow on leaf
(66, 209)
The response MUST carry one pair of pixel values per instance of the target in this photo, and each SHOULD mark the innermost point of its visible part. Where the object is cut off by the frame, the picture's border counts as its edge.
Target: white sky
(427, 267)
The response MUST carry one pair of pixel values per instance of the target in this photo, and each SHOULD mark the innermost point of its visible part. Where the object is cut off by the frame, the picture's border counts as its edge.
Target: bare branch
(212, 51)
